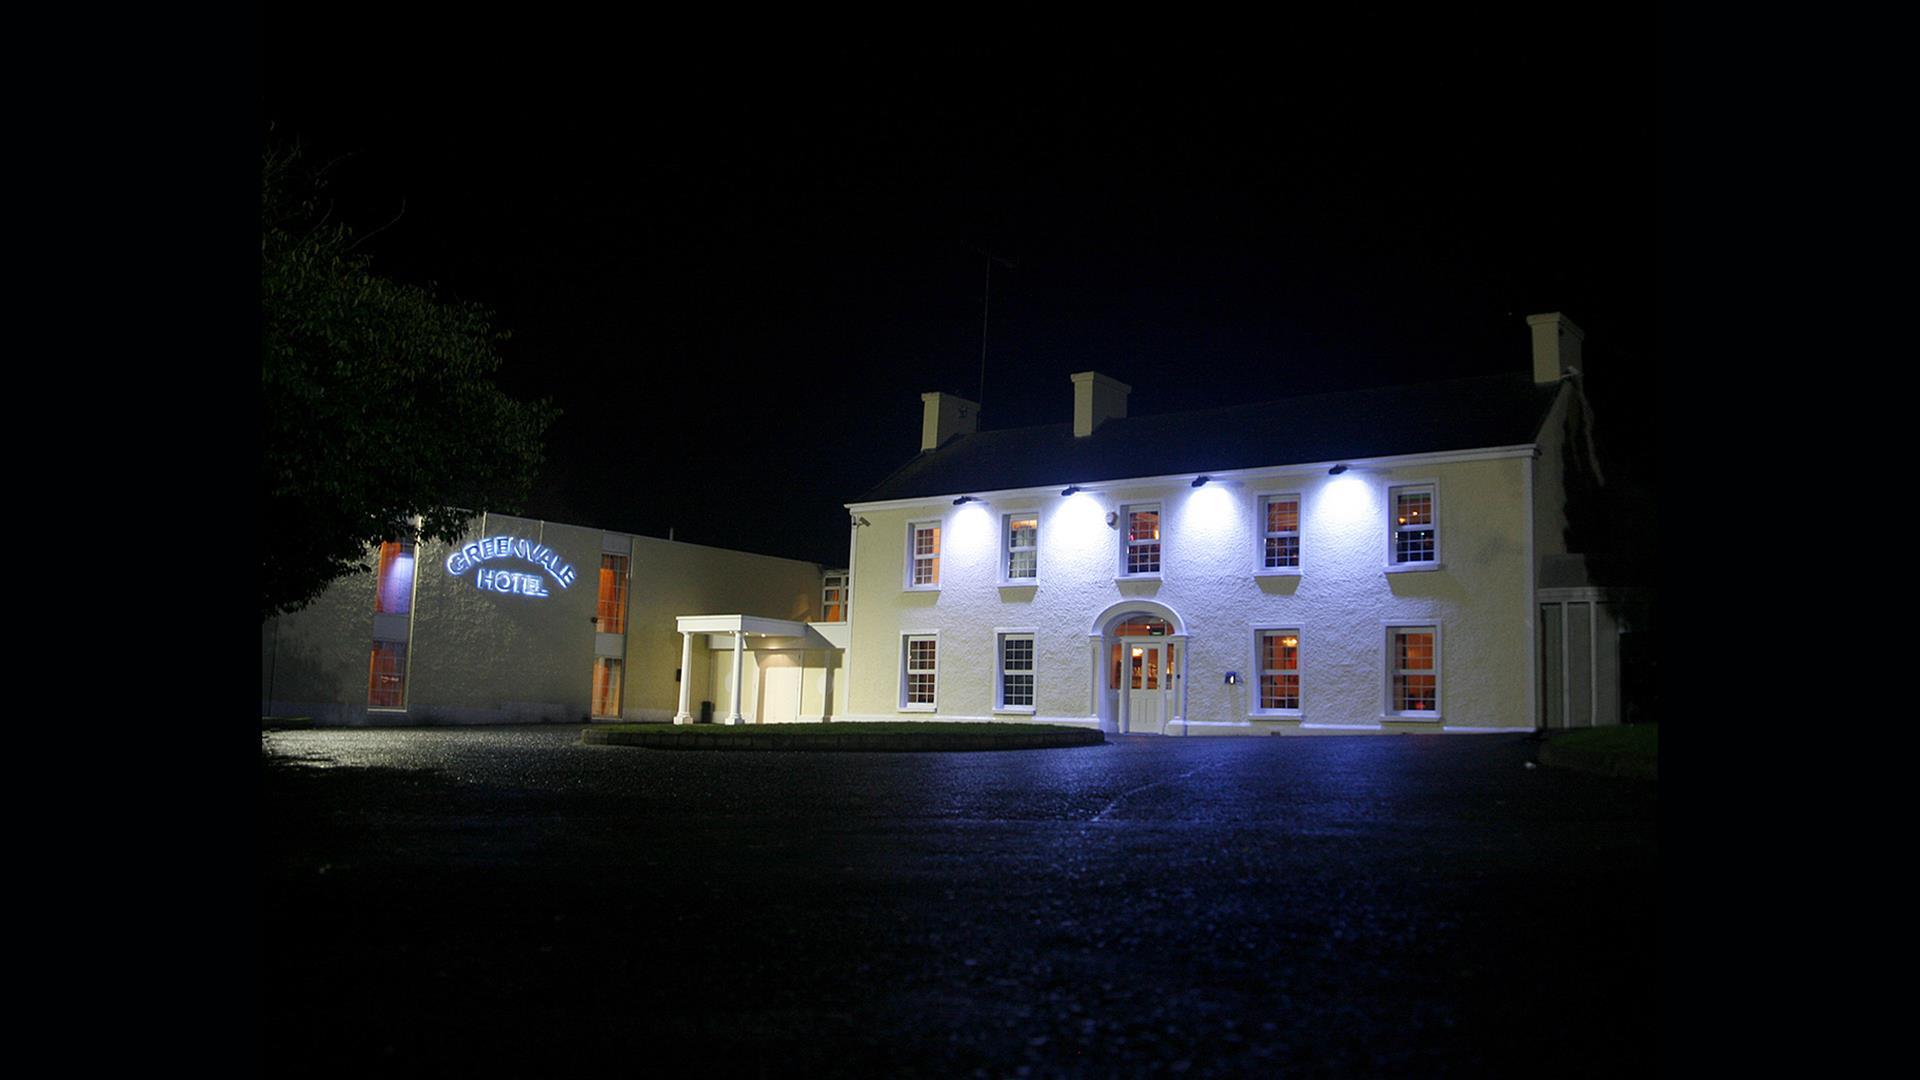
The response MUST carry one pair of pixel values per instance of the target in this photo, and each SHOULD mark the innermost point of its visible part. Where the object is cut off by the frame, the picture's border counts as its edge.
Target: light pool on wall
(512, 582)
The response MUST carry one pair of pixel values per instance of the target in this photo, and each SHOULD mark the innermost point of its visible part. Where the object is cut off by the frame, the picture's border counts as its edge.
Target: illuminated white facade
(1354, 593)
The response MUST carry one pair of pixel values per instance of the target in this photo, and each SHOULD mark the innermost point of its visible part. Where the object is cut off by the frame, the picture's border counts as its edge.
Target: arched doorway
(1140, 663)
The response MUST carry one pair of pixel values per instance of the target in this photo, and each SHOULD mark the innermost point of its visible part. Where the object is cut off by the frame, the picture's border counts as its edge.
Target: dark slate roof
(1462, 414)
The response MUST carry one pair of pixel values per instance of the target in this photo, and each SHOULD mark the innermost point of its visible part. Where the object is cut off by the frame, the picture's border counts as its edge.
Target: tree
(379, 416)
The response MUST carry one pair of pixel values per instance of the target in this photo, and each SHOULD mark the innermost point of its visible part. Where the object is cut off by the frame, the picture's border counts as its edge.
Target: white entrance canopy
(774, 633)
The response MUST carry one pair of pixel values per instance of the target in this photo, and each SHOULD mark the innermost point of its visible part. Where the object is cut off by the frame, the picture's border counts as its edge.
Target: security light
(1199, 480)
(964, 499)
(1337, 470)
(1069, 489)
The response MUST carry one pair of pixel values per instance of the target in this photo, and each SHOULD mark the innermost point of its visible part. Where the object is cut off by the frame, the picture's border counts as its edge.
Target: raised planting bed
(844, 735)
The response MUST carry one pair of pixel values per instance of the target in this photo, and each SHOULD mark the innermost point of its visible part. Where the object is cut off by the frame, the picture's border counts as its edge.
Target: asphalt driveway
(508, 899)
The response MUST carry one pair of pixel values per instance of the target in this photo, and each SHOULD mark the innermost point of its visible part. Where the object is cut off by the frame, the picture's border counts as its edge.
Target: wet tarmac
(509, 900)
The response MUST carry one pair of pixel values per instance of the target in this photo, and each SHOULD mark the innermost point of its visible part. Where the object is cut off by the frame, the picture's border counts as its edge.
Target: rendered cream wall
(671, 579)
(1341, 602)
(484, 657)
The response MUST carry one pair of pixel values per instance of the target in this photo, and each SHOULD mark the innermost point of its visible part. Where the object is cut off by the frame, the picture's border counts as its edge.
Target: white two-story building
(1374, 561)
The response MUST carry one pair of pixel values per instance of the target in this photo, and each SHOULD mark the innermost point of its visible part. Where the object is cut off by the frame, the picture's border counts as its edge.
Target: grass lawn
(1629, 740)
(904, 727)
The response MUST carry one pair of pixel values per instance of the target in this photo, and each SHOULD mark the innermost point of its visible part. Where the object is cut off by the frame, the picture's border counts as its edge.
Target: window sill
(921, 588)
(1275, 714)
(1015, 710)
(1414, 567)
(1277, 571)
(1410, 718)
(1019, 583)
(916, 708)
(400, 710)
(1121, 579)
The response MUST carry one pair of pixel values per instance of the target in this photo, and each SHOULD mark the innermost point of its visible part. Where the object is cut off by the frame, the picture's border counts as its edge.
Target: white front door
(1147, 681)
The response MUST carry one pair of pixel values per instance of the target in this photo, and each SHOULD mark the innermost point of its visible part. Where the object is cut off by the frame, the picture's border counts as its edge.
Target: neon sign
(508, 581)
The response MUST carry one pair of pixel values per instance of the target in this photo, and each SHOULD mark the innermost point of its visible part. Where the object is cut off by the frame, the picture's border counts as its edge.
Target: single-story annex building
(1373, 561)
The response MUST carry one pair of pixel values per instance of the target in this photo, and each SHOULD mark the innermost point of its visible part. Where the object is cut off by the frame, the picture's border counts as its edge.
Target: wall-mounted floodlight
(1337, 470)
(1069, 489)
(1200, 480)
(1113, 518)
(964, 499)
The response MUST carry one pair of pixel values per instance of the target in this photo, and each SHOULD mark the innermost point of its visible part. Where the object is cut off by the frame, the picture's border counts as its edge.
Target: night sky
(737, 266)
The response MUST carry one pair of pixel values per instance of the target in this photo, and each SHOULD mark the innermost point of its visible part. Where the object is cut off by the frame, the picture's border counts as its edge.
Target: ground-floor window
(1280, 670)
(1413, 653)
(920, 671)
(606, 686)
(387, 676)
(1016, 671)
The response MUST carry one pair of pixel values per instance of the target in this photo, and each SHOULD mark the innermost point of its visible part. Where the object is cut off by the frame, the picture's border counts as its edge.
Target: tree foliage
(380, 419)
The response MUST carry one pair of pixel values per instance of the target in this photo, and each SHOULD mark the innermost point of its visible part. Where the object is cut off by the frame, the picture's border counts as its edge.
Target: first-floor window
(833, 597)
(1415, 536)
(393, 591)
(922, 671)
(1142, 555)
(1414, 653)
(923, 555)
(387, 676)
(606, 686)
(612, 617)
(1023, 546)
(1280, 669)
(1280, 532)
(1016, 671)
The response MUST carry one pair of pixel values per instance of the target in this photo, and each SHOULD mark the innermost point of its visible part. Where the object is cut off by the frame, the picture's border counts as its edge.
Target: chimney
(944, 416)
(1096, 400)
(1556, 346)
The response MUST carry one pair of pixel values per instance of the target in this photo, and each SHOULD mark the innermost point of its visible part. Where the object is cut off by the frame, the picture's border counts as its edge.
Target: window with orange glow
(613, 594)
(387, 675)
(923, 555)
(1281, 532)
(1415, 533)
(833, 598)
(1280, 669)
(606, 686)
(1415, 663)
(1143, 540)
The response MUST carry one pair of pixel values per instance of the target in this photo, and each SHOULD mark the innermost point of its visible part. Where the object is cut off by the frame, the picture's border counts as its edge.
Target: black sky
(737, 266)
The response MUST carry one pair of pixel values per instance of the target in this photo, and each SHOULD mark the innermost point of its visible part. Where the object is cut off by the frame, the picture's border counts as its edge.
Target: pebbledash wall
(1216, 599)
(515, 635)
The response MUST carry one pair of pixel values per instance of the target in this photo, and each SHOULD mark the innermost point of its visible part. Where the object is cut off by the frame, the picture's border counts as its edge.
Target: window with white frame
(1279, 671)
(1415, 532)
(1413, 665)
(923, 555)
(1142, 539)
(833, 596)
(1021, 533)
(1016, 671)
(919, 671)
(1280, 532)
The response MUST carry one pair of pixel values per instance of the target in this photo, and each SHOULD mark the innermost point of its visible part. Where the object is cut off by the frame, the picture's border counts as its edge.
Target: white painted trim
(1439, 532)
(1254, 711)
(1160, 511)
(1260, 497)
(1439, 671)
(1412, 568)
(939, 554)
(900, 695)
(1531, 619)
(1151, 607)
(1006, 547)
(1252, 474)
(1000, 635)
